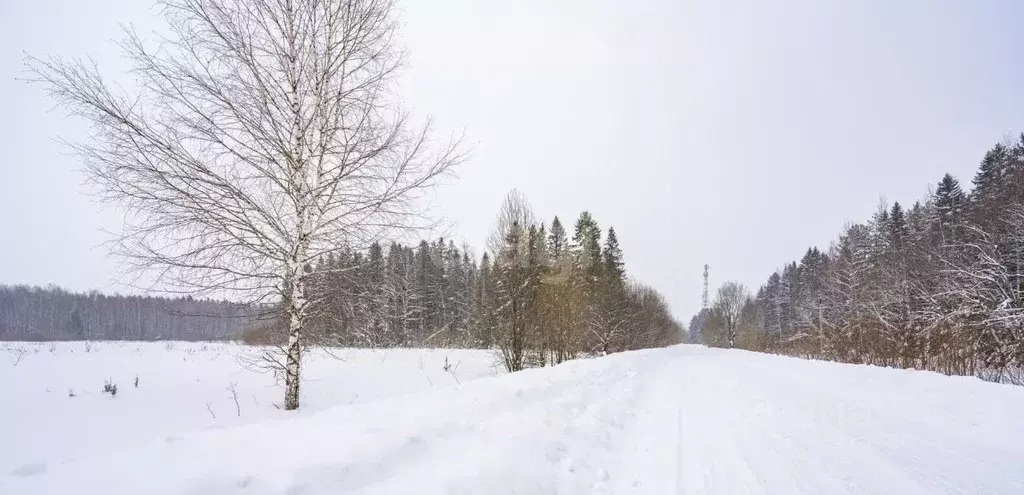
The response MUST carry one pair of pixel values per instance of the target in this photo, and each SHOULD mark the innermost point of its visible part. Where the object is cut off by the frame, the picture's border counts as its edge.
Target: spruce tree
(468, 297)
(808, 303)
(560, 290)
(457, 294)
(396, 287)
(541, 246)
(557, 240)
(950, 201)
(610, 303)
(425, 313)
(897, 227)
(769, 299)
(372, 290)
(483, 303)
(536, 325)
(789, 289)
(614, 268)
(586, 245)
(989, 180)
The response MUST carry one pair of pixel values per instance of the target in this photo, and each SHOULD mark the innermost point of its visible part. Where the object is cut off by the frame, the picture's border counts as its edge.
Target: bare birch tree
(260, 135)
(729, 306)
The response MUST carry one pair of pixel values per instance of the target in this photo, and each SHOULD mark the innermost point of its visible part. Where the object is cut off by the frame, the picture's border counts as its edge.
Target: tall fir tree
(614, 268)
(558, 241)
(483, 306)
(950, 201)
(989, 180)
(897, 227)
(586, 246)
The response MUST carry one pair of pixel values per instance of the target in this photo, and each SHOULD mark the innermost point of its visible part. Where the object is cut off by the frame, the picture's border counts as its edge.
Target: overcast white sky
(733, 133)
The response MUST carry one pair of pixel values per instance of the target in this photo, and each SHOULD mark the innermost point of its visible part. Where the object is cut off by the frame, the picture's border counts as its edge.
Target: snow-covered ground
(678, 420)
(41, 426)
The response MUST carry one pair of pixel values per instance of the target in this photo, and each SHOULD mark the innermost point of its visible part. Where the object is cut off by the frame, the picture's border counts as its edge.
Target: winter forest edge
(936, 286)
(540, 298)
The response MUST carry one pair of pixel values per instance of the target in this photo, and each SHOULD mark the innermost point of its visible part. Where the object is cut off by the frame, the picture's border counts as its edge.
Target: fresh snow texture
(685, 419)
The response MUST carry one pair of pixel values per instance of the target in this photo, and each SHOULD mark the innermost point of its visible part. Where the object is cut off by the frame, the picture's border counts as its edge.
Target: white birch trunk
(291, 384)
(293, 353)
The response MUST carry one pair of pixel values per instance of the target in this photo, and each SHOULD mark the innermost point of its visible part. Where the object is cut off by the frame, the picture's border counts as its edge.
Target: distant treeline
(538, 295)
(38, 314)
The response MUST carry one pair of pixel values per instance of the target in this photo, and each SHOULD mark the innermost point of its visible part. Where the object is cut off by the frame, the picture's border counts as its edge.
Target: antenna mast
(704, 299)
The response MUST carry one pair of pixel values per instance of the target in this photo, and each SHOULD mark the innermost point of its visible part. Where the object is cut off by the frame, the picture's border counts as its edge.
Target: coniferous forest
(937, 284)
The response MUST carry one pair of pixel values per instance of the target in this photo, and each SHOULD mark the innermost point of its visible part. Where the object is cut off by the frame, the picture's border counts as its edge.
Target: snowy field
(184, 388)
(679, 420)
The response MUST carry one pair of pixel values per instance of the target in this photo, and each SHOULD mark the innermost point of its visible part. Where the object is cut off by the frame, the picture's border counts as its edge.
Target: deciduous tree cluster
(549, 298)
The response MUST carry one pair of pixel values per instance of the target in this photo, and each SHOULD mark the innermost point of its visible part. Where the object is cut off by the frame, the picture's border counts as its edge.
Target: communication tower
(704, 298)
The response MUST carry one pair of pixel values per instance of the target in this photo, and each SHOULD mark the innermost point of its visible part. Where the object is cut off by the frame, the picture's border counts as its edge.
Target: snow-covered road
(679, 420)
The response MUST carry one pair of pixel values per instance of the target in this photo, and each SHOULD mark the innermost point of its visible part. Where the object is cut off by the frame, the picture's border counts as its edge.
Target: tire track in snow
(679, 451)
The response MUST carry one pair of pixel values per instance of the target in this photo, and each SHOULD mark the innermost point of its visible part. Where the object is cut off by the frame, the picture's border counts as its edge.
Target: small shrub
(71, 392)
(136, 380)
(19, 353)
(273, 332)
(110, 388)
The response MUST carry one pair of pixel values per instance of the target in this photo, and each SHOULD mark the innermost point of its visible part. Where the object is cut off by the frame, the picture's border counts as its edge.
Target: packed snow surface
(679, 420)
